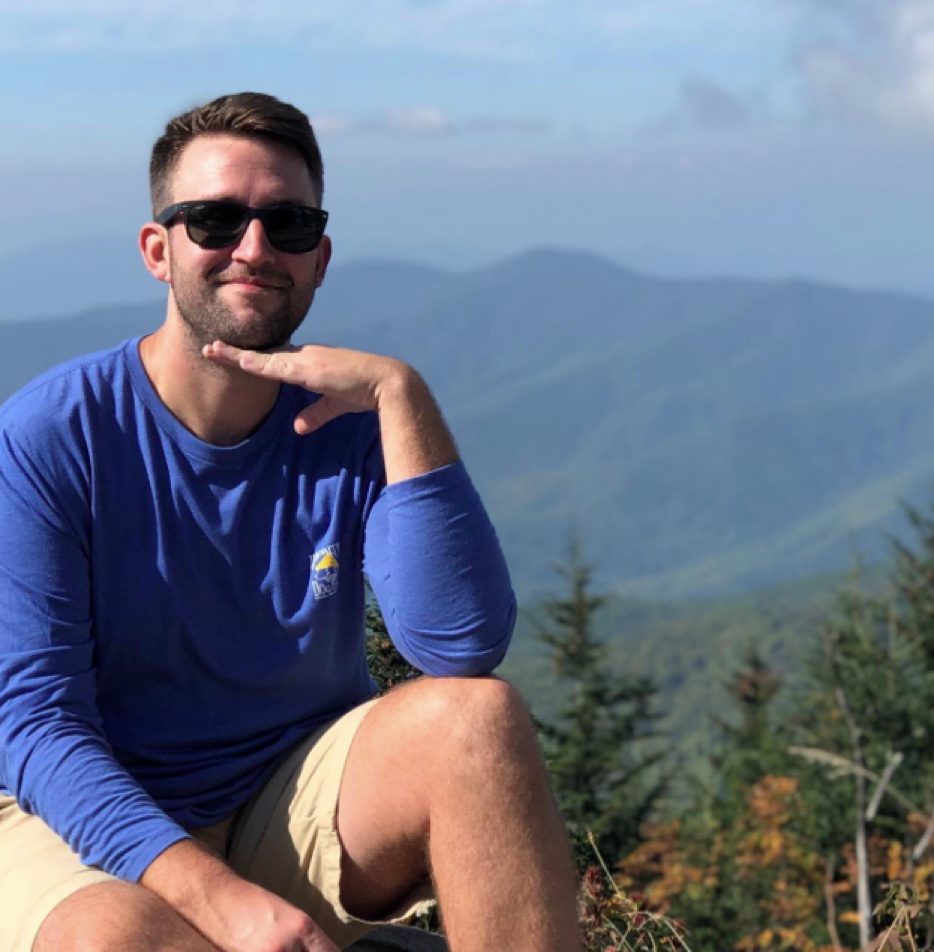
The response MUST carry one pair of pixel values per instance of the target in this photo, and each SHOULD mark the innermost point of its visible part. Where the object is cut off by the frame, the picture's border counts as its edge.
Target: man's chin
(262, 343)
(248, 325)
(261, 333)
(244, 336)
(255, 341)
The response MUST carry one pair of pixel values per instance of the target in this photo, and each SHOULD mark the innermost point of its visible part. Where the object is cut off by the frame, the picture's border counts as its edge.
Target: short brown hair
(248, 115)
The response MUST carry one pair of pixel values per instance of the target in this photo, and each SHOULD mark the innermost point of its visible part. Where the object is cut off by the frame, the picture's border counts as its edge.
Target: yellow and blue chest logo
(325, 571)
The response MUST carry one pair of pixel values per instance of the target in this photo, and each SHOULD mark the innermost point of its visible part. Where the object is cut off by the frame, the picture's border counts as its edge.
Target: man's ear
(323, 256)
(154, 247)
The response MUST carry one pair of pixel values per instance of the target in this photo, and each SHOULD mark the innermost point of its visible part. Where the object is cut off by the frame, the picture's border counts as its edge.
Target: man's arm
(432, 555)
(56, 760)
(233, 914)
(54, 756)
(415, 438)
(437, 569)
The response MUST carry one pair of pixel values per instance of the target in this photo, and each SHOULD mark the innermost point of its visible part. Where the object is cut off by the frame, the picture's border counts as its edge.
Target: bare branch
(922, 844)
(863, 897)
(831, 908)
(890, 768)
(841, 766)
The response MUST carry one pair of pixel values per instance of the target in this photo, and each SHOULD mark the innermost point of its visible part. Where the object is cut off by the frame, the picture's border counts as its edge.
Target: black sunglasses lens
(293, 228)
(217, 224)
(290, 228)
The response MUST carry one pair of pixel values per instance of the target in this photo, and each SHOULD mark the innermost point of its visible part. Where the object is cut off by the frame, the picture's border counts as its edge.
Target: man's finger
(317, 941)
(275, 364)
(314, 417)
(267, 365)
(319, 944)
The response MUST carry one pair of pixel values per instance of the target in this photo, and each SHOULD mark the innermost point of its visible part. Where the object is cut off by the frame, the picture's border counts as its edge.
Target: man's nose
(254, 245)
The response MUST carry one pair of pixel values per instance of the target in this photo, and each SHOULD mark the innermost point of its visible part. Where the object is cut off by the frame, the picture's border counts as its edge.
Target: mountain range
(698, 436)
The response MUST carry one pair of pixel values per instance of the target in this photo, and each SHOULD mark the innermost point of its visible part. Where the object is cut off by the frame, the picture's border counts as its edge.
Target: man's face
(248, 294)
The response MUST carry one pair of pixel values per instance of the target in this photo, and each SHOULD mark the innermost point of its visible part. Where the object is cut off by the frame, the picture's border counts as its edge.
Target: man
(189, 754)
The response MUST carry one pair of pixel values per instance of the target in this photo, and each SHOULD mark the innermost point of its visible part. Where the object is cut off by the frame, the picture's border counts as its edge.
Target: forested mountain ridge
(700, 436)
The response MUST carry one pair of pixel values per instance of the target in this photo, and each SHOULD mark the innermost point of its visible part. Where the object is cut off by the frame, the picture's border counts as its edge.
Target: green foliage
(603, 763)
(913, 579)
(868, 698)
(907, 919)
(737, 866)
(867, 723)
(387, 666)
(752, 745)
(689, 649)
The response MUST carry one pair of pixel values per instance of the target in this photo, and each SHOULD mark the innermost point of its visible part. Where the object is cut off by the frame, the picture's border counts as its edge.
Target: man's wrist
(415, 437)
(184, 875)
(399, 384)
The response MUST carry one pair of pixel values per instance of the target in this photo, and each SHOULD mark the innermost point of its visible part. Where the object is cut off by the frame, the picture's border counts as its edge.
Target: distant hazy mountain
(700, 436)
(70, 276)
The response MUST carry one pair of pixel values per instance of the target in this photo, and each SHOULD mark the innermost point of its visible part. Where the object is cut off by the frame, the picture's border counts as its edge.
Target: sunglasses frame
(167, 215)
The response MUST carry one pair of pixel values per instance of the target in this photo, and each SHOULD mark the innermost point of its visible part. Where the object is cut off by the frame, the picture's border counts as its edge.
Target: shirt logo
(325, 568)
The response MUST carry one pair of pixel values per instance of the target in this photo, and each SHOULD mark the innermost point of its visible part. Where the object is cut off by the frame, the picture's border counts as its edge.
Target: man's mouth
(265, 281)
(256, 283)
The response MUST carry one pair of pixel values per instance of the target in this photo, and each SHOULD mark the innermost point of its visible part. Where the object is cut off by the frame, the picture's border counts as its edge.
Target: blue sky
(760, 137)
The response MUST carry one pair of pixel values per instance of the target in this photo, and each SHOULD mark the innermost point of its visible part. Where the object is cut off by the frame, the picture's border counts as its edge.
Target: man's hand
(349, 381)
(231, 913)
(414, 435)
(243, 917)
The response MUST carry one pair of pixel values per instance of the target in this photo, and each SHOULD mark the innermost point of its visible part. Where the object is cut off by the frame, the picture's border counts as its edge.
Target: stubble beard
(208, 318)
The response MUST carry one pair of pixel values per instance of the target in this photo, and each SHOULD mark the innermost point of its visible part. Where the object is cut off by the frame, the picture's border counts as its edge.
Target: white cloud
(327, 125)
(871, 62)
(419, 122)
(424, 121)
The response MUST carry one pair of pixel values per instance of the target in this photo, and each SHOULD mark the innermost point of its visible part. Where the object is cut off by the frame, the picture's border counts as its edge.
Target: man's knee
(115, 917)
(469, 716)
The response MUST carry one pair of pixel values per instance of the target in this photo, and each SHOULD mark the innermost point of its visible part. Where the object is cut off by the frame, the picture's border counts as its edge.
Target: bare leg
(451, 768)
(117, 917)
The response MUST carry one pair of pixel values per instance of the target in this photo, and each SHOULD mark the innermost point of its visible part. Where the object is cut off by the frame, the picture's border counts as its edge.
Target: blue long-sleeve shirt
(174, 616)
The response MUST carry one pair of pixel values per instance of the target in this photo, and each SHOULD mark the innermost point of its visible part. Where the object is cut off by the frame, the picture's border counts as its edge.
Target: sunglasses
(289, 227)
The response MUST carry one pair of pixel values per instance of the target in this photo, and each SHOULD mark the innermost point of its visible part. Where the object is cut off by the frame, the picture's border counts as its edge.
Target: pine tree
(756, 745)
(914, 584)
(739, 867)
(604, 766)
(867, 717)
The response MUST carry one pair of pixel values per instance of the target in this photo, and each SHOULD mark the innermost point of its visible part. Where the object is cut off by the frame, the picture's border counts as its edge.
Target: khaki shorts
(284, 839)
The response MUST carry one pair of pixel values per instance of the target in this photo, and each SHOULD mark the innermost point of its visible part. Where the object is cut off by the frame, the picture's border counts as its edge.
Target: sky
(768, 138)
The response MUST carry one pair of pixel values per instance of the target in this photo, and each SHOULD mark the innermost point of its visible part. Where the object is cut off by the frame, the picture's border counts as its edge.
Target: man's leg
(117, 917)
(449, 769)
(51, 902)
